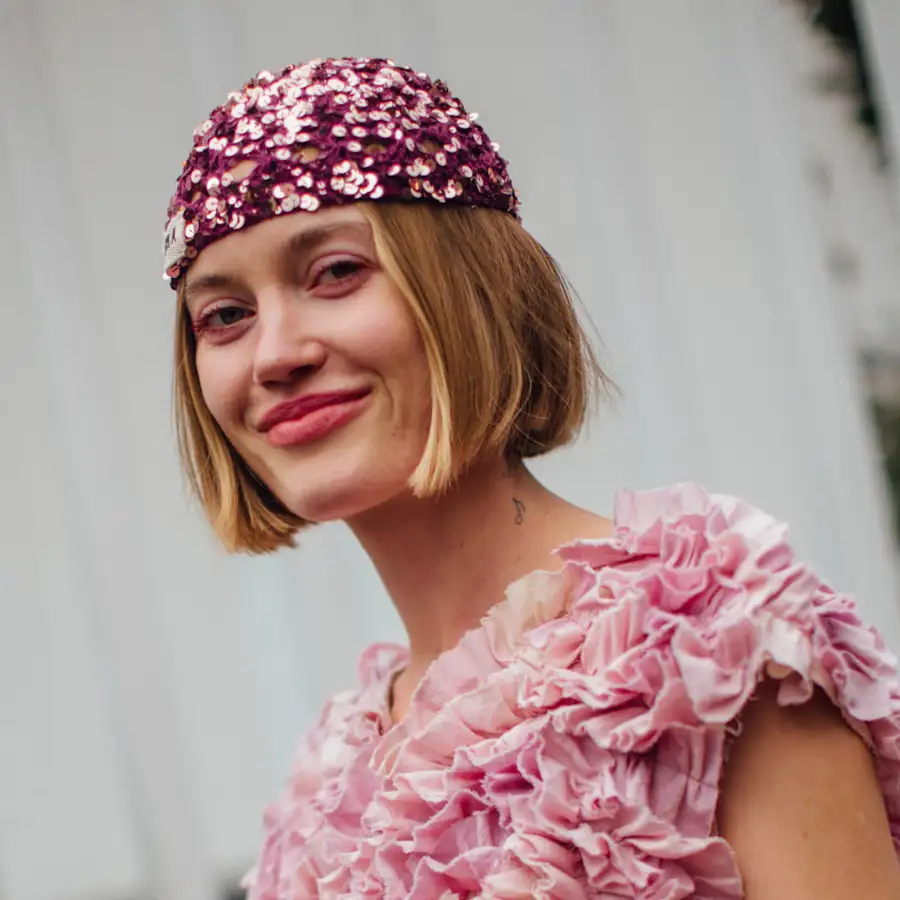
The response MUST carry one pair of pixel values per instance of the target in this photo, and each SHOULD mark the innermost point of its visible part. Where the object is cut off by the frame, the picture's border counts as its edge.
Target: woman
(670, 705)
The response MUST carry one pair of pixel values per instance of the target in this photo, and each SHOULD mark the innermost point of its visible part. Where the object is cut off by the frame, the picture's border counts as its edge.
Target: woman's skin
(298, 306)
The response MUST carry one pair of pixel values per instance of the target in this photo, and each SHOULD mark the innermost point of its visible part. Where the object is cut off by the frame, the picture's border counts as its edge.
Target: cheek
(221, 383)
(403, 363)
(417, 379)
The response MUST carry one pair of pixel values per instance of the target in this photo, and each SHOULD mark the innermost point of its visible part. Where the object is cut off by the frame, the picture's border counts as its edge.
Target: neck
(446, 560)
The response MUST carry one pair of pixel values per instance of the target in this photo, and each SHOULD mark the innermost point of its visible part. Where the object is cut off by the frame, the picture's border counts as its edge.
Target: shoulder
(349, 722)
(692, 622)
(330, 772)
(719, 589)
(362, 708)
(682, 517)
(705, 599)
(669, 626)
(795, 828)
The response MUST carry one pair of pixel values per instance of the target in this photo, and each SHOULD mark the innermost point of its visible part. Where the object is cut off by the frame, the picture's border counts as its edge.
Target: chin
(345, 478)
(331, 497)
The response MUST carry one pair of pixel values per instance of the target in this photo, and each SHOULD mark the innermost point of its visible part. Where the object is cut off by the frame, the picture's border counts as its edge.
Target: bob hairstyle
(512, 371)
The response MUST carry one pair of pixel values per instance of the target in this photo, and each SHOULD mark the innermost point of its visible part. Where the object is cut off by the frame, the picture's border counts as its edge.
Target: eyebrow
(297, 245)
(206, 283)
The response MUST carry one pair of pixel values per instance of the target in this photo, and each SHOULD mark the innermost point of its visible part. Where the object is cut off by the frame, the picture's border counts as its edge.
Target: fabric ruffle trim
(575, 739)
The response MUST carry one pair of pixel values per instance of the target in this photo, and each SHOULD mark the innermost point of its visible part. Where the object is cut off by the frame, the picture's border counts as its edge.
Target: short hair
(512, 371)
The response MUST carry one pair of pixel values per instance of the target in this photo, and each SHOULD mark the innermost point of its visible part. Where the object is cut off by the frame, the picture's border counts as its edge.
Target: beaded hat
(323, 133)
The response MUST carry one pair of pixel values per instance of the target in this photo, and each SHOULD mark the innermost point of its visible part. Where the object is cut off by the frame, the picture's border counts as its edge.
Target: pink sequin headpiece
(327, 132)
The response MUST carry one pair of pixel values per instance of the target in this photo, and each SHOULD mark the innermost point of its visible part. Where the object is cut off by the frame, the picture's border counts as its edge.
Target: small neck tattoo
(520, 510)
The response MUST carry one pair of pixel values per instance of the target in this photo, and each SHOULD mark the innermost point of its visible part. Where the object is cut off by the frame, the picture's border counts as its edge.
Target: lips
(298, 409)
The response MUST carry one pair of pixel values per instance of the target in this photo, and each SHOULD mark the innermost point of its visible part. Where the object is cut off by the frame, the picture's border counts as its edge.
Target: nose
(285, 350)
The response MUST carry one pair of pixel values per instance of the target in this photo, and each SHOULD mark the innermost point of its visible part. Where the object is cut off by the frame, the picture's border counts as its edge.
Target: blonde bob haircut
(512, 372)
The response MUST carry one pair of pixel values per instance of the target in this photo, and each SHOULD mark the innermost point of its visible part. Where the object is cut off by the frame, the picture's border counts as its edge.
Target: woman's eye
(220, 318)
(338, 271)
(231, 315)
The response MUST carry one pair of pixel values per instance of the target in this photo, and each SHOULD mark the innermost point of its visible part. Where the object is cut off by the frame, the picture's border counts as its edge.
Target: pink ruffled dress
(572, 745)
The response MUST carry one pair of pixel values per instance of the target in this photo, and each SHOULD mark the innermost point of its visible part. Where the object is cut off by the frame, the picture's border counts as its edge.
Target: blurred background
(717, 177)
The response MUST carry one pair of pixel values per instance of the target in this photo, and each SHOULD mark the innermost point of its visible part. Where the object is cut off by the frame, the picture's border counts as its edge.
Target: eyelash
(202, 325)
(340, 263)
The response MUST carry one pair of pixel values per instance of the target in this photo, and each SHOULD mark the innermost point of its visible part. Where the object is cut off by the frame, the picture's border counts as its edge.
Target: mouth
(311, 418)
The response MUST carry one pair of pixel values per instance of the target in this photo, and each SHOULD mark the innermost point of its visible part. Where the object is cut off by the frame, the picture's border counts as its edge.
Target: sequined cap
(328, 132)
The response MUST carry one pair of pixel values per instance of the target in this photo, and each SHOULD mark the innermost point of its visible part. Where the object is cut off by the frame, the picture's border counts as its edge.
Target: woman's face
(310, 361)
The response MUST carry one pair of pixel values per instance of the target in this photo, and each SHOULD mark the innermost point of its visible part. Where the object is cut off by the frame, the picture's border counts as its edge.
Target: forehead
(261, 243)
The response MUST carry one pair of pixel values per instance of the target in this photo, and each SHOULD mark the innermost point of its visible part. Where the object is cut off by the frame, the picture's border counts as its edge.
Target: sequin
(417, 167)
(328, 132)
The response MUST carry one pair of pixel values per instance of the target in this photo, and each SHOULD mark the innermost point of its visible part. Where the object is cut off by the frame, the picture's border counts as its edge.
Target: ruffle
(572, 745)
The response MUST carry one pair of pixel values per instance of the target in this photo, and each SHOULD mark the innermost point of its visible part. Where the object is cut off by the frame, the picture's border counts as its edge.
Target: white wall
(151, 689)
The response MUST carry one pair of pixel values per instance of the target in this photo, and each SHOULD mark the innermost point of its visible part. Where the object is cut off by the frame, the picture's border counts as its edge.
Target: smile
(311, 419)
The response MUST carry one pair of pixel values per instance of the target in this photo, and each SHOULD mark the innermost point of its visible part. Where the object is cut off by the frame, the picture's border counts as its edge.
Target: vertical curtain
(151, 688)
